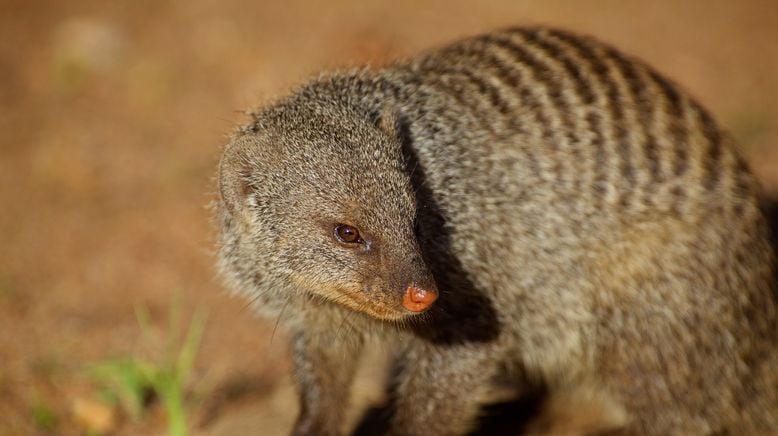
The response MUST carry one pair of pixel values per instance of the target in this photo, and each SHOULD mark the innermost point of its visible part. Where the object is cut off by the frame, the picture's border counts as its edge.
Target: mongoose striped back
(615, 129)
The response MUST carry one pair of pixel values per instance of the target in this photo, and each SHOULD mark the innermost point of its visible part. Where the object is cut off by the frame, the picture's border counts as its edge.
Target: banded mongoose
(525, 205)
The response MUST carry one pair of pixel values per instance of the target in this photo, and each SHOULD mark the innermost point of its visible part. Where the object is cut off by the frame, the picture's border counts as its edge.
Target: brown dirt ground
(113, 115)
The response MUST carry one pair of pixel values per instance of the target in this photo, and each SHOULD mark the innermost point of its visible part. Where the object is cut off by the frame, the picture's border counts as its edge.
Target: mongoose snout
(418, 299)
(415, 284)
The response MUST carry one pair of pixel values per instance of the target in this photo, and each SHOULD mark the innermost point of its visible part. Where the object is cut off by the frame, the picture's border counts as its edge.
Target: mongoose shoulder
(528, 205)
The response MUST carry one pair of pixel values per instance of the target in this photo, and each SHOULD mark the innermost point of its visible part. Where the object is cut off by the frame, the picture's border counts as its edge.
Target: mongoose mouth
(381, 304)
(415, 301)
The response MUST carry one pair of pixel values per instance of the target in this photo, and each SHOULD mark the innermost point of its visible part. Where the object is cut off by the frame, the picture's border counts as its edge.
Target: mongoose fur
(585, 224)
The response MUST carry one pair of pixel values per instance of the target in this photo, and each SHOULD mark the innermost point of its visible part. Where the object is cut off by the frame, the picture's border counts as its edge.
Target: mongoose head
(316, 201)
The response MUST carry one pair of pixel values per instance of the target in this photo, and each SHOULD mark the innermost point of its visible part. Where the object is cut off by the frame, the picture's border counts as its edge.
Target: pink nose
(417, 299)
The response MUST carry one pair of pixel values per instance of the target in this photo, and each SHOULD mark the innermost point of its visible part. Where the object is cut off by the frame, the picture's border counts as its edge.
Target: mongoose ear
(392, 122)
(234, 173)
(388, 122)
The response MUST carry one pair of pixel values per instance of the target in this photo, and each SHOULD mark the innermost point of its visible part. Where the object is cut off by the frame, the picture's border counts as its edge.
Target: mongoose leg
(324, 370)
(440, 390)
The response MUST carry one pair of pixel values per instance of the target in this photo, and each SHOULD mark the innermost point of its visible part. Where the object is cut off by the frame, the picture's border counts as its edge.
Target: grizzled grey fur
(591, 231)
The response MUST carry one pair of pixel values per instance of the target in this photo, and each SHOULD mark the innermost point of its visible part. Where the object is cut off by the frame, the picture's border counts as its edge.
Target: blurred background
(113, 115)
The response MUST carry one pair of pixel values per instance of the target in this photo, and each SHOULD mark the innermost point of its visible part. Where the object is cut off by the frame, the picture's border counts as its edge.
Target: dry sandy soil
(113, 115)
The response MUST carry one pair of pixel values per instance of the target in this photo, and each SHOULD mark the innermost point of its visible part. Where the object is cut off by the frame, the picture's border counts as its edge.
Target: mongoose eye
(347, 234)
